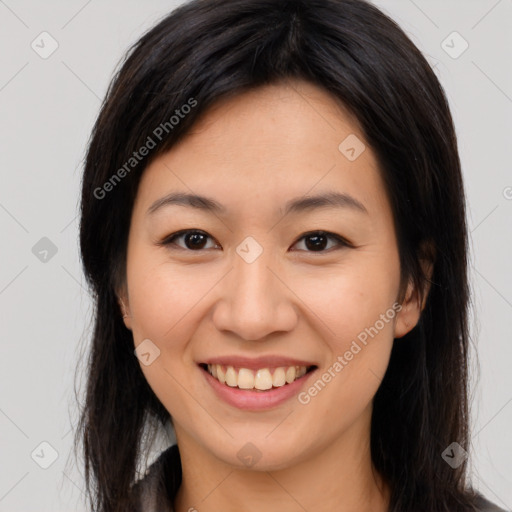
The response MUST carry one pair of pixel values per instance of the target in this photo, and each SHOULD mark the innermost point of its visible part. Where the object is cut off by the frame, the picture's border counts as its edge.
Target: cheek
(163, 295)
(165, 301)
(355, 313)
(356, 318)
(352, 297)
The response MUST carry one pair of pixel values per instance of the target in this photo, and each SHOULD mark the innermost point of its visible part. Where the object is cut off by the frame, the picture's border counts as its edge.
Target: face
(265, 279)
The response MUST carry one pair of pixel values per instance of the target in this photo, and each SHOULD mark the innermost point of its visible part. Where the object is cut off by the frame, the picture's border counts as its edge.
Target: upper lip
(255, 363)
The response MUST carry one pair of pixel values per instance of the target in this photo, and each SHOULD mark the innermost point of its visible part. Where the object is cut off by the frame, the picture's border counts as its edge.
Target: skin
(252, 154)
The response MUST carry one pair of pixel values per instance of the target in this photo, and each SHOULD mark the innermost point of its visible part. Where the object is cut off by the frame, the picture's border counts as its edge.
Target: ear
(415, 299)
(124, 305)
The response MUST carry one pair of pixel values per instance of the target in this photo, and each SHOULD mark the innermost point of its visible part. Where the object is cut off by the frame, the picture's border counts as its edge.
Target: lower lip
(255, 400)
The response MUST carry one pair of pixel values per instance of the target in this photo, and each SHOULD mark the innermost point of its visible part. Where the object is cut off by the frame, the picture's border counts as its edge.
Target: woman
(273, 223)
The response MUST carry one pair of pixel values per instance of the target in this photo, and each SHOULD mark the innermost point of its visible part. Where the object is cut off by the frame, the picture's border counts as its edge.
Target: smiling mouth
(263, 379)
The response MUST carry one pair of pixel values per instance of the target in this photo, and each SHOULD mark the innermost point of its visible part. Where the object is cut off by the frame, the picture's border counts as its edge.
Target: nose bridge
(252, 280)
(254, 302)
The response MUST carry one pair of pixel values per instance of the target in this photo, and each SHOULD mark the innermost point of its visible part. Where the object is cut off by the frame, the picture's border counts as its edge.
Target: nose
(255, 300)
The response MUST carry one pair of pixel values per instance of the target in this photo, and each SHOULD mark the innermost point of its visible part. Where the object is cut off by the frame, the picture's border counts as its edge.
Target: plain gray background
(48, 106)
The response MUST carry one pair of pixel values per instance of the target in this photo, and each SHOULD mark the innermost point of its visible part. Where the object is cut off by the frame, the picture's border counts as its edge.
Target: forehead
(266, 146)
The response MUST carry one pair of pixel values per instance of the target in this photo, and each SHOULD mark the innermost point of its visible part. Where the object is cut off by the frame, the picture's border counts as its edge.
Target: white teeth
(290, 374)
(279, 377)
(231, 377)
(245, 378)
(261, 380)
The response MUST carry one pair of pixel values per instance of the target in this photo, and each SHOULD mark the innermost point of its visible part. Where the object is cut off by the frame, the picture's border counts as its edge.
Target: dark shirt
(155, 492)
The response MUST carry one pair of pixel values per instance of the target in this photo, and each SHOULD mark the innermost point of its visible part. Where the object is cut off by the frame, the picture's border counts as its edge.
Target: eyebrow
(297, 205)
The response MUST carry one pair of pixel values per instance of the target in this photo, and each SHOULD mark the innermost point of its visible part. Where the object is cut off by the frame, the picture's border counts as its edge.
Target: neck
(339, 478)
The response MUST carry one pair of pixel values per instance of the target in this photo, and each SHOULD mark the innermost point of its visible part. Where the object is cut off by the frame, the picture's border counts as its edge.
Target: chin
(256, 454)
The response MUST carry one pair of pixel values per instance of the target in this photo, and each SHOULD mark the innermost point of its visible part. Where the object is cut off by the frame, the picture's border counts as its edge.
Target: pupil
(196, 239)
(318, 242)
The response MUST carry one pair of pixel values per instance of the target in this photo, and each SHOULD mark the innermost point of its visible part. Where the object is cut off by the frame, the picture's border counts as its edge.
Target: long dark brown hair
(210, 50)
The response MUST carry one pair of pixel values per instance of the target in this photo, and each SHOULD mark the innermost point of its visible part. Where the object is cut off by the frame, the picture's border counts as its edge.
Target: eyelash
(169, 240)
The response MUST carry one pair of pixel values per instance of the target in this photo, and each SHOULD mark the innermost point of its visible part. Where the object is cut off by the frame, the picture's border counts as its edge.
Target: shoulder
(156, 490)
(484, 505)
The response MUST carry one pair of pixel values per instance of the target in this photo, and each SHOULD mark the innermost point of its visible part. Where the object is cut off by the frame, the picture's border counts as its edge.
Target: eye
(316, 241)
(195, 240)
